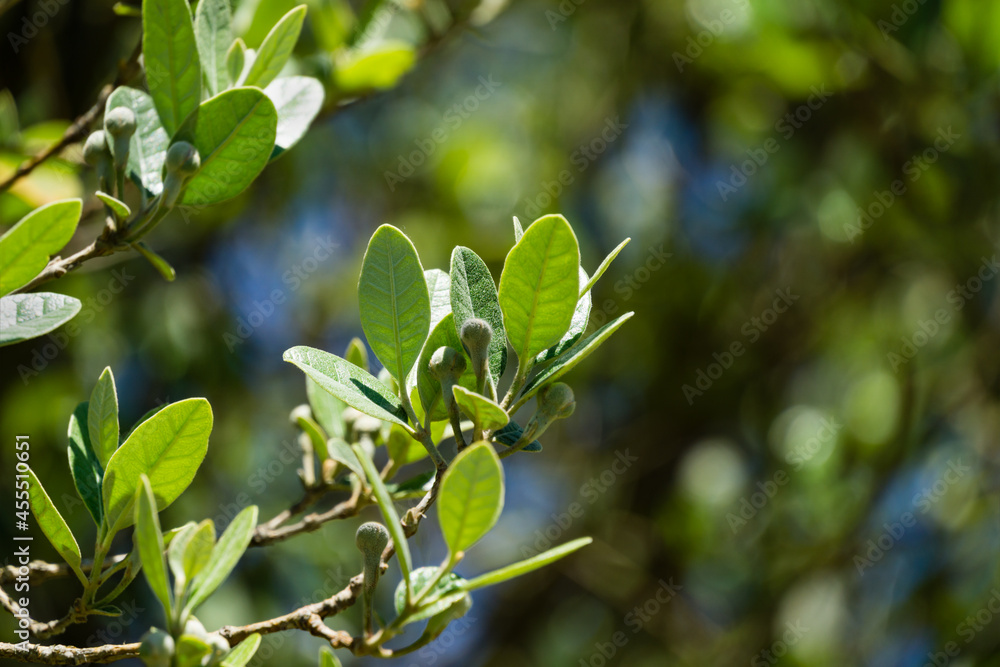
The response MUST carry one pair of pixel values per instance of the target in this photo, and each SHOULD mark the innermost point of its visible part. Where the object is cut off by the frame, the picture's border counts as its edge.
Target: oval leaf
(297, 100)
(26, 247)
(27, 316)
(276, 49)
(213, 33)
(480, 409)
(148, 146)
(349, 383)
(603, 267)
(473, 294)
(227, 552)
(170, 57)
(581, 317)
(102, 419)
(439, 291)
(395, 306)
(120, 208)
(168, 447)
(539, 287)
(234, 134)
(53, 525)
(471, 497)
(148, 539)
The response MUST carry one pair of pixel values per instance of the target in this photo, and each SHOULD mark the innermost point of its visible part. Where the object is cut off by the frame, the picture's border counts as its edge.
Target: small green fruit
(157, 648)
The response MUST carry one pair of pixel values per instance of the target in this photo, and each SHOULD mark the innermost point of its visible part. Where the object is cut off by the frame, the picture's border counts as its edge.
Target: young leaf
(119, 208)
(84, 467)
(27, 316)
(234, 134)
(328, 659)
(447, 591)
(160, 264)
(395, 306)
(510, 434)
(236, 60)
(428, 386)
(148, 146)
(175, 556)
(471, 497)
(439, 291)
(198, 550)
(213, 33)
(357, 354)
(315, 434)
(473, 294)
(326, 408)
(518, 230)
(297, 100)
(603, 267)
(25, 248)
(102, 420)
(53, 525)
(349, 383)
(402, 448)
(342, 453)
(243, 652)
(570, 359)
(148, 540)
(384, 501)
(190, 651)
(168, 447)
(526, 566)
(480, 409)
(539, 287)
(581, 317)
(170, 56)
(276, 49)
(227, 552)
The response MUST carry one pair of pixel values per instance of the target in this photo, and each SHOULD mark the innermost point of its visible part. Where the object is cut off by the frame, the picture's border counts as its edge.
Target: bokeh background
(804, 411)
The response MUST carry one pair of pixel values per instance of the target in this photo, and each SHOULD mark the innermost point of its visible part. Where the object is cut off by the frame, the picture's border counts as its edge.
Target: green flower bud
(182, 162)
(95, 149)
(447, 364)
(476, 335)
(372, 538)
(119, 124)
(220, 648)
(157, 648)
(556, 401)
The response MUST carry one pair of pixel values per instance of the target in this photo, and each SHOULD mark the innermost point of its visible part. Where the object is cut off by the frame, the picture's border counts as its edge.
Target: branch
(59, 654)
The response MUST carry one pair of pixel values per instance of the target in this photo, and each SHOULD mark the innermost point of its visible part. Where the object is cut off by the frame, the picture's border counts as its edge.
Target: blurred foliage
(831, 497)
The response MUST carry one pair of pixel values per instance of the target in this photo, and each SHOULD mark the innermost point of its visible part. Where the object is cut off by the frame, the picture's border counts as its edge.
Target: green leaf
(326, 408)
(102, 419)
(395, 306)
(226, 554)
(603, 267)
(342, 453)
(27, 316)
(439, 291)
(236, 60)
(510, 434)
(447, 592)
(377, 68)
(243, 652)
(526, 566)
(198, 550)
(518, 230)
(84, 467)
(571, 358)
(234, 134)
(160, 264)
(190, 651)
(384, 501)
(297, 100)
(148, 146)
(53, 525)
(349, 383)
(357, 354)
(315, 434)
(170, 57)
(539, 287)
(403, 449)
(581, 317)
(214, 34)
(25, 248)
(471, 497)
(480, 409)
(428, 386)
(328, 659)
(473, 294)
(276, 49)
(168, 447)
(148, 539)
(175, 556)
(119, 208)
(149, 413)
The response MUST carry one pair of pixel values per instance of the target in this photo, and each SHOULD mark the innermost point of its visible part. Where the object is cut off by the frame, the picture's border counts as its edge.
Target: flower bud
(220, 648)
(476, 335)
(157, 648)
(119, 124)
(95, 149)
(371, 539)
(447, 364)
(182, 162)
(556, 401)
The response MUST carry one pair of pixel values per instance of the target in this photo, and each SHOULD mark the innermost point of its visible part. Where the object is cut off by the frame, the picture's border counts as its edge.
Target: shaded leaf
(447, 592)
(102, 420)
(243, 652)
(84, 467)
(428, 386)
(510, 434)
(473, 294)
(385, 504)
(160, 264)
(326, 408)
(236, 60)
(119, 208)
(342, 453)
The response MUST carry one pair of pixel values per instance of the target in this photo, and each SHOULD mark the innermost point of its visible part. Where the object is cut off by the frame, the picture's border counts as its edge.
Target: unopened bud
(182, 162)
(556, 401)
(157, 648)
(119, 124)
(447, 364)
(95, 149)
(476, 335)
(372, 538)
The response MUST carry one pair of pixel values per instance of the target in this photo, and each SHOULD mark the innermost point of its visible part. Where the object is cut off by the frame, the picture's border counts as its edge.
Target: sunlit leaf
(581, 317)
(471, 497)
(26, 247)
(297, 99)
(119, 208)
(480, 409)
(213, 33)
(148, 146)
(53, 526)
(226, 554)
(170, 58)
(102, 419)
(603, 267)
(27, 316)
(526, 566)
(474, 295)
(378, 68)
(276, 49)
(148, 539)
(439, 290)
(243, 652)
